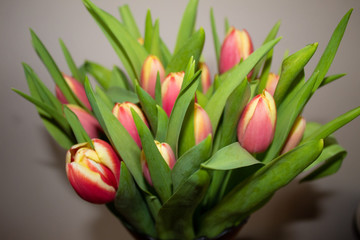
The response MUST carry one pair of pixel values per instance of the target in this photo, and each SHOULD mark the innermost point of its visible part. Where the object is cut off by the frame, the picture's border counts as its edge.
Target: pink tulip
(236, 46)
(170, 90)
(165, 151)
(151, 67)
(122, 111)
(89, 122)
(93, 173)
(77, 88)
(257, 123)
(295, 135)
(271, 83)
(202, 124)
(205, 77)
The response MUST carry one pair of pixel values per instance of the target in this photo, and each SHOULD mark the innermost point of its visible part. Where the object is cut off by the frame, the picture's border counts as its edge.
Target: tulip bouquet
(171, 153)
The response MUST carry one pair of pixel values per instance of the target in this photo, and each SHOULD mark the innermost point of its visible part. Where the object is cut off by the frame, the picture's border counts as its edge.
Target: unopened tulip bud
(165, 151)
(122, 111)
(205, 76)
(295, 135)
(271, 83)
(202, 124)
(151, 67)
(236, 46)
(77, 88)
(93, 173)
(170, 89)
(257, 123)
(89, 122)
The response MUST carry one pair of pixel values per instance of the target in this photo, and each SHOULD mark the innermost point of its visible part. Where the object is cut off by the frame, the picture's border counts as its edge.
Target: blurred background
(37, 202)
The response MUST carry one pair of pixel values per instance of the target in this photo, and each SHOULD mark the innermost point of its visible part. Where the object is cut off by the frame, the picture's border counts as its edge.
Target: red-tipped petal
(202, 124)
(151, 67)
(295, 135)
(205, 76)
(170, 90)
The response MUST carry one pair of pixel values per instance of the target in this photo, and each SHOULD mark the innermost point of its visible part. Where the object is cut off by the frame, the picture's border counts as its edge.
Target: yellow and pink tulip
(295, 135)
(151, 67)
(170, 89)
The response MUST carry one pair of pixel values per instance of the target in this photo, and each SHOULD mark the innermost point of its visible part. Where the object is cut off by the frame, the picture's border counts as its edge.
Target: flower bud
(122, 111)
(165, 151)
(77, 88)
(295, 135)
(257, 123)
(236, 46)
(151, 67)
(93, 173)
(202, 124)
(170, 89)
(271, 83)
(140, 40)
(205, 77)
(89, 122)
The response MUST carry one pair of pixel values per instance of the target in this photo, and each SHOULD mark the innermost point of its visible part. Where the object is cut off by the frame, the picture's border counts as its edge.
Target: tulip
(205, 77)
(89, 122)
(165, 151)
(271, 83)
(295, 135)
(257, 123)
(170, 89)
(140, 40)
(93, 173)
(78, 90)
(202, 124)
(151, 67)
(122, 111)
(236, 46)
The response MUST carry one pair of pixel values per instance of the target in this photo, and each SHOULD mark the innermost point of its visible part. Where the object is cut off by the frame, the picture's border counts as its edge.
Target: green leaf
(71, 63)
(290, 68)
(101, 74)
(79, 132)
(162, 124)
(230, 157)
(247, 196)
(331, 78)
(187, 25)
(287, 114)
(230, 80)
(217, 45)
(158, 168)
(149, 28)
(190, 162)
(104, 97)
(148, 105)
(155, 42)
(226, 25)
(129, 21)
(331, 49)
(129, 195)
(58, 133)
(191, 48)
(158, 97)
(175, 220)
(118, 136)
(329, 162)
(119, 79)
(187, 134)
(120, 95)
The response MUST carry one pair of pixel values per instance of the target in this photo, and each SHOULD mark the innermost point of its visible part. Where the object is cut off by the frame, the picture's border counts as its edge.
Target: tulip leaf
(287, 113)
(119, 79)
(187, 134)
(191, 48)
(129, 21)
(158, 97)
(162, 124)
(290, 68)
(179, 110)
(78, 130)
(201, 98)
(175, 219)
(104, 97)
(271, 36)
(149, 28)
(329, 162)
(119, 95)
(158, 168)
(230, 157)
(248, 195)
(148, 105)
(331, 78)
(155, 42)
(58, 133)
(54, 70)
(71, 63)
(118, 136)
(165, 52)
(101, 74)
(217, 45)
(226, 25)
(328, 56)
(230, 80)
(190, 162)
(265, 73)
(187, 25)
(131, 53)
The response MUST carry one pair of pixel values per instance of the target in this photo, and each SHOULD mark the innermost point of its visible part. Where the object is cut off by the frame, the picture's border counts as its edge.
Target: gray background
(36, 200)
